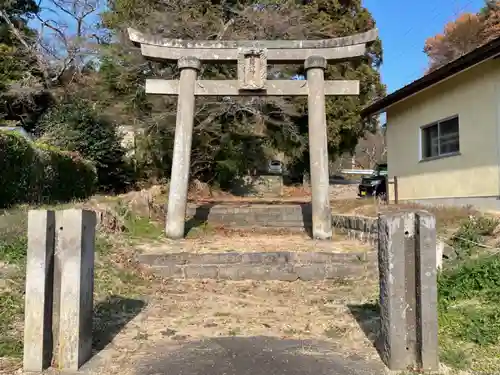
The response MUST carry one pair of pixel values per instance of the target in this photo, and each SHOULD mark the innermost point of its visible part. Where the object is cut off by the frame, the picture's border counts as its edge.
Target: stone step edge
(254, 258)
(286, 272)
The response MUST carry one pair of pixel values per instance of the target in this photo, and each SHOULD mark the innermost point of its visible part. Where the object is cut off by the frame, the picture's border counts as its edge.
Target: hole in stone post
(406, 233)
(60, 228)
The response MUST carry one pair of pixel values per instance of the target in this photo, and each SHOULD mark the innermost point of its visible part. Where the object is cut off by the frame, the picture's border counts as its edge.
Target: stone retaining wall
(357, 227)
(259, 186)
(288, 216)
(283, 266)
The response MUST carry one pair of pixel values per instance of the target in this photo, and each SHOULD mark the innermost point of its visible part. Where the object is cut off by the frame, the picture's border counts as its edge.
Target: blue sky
(404, 26)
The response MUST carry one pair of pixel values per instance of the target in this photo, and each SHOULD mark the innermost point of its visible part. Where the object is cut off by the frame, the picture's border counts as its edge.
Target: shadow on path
(256, 356)
(306, 209)
(199, 219)
(110, 316)
(368, 317)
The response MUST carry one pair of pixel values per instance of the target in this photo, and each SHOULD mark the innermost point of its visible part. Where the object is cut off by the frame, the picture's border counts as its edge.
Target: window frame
(422, 139)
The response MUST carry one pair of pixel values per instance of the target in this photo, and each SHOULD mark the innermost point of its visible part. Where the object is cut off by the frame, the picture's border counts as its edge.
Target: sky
(404, 26)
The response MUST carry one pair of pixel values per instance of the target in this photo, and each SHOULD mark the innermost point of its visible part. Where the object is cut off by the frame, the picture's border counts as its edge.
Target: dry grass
(448, 218)
(215, 241)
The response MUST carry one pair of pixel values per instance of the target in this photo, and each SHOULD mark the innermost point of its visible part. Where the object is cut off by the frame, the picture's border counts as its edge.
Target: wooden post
(408, 291)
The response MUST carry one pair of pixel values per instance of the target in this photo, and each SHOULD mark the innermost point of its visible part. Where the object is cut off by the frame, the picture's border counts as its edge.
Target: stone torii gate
(252, 57)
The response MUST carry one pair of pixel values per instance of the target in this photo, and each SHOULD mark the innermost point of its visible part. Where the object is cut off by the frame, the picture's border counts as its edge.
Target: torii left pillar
(318, 148)
(177, 196)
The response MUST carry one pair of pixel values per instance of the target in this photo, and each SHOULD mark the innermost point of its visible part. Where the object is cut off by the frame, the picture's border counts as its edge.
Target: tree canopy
(92, 62)
(461, 36)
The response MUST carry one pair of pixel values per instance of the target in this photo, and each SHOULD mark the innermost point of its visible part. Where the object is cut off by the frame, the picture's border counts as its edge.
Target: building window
(440, 138)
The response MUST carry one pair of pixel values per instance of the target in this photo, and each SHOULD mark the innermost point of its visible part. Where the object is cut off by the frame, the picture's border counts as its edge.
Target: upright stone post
(75, 256)
(427, 292)
(38, 298)
(408, 291)
(177, 197)
(321, 215)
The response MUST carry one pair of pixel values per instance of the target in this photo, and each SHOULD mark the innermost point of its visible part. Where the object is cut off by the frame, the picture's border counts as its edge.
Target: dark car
(375, 184)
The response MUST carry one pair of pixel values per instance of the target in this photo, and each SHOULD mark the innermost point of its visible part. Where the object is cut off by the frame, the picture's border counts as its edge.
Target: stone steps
(295, 217)
(283, 265)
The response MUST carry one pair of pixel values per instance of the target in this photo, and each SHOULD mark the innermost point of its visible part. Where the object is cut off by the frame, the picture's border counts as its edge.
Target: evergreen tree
(233, 135)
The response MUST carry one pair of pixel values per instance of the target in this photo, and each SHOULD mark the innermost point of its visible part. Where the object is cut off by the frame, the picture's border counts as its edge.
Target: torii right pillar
(318, 148)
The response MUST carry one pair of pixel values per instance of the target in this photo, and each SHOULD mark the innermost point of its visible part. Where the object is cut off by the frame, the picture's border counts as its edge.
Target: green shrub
(471, 234)
(35, 173)
(473, 278)
(78, 126)
(469, 298)
(66, 173)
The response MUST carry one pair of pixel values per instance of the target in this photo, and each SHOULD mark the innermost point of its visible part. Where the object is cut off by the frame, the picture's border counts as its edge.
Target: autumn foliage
(463, 35)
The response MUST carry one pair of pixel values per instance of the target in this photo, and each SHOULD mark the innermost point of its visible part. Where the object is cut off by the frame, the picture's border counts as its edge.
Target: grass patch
(11, 311)
(13, 242)
(469, 301)
(137, 226)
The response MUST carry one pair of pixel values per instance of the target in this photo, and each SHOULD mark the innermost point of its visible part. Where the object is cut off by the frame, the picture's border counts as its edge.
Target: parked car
(374, 185)
(275, 167)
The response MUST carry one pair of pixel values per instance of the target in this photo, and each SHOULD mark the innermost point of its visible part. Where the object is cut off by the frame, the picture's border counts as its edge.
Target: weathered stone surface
(173, 271)
(164, 259)
(189, 62)
(409, 293)
(231, 88)
(318, 150)
(315, 61)
(201, 271)
(215, 258)
(282, 216)
(344, 271)
(308, 272)
(76, 246)
(257, 272)
(426, 274)
(265, 258)
(261, 185)
(316, 257)
(274, 56)
(362, 38)
(178, 189)
(392, 291)
(39, 290)
(252, 68)
(324, 257)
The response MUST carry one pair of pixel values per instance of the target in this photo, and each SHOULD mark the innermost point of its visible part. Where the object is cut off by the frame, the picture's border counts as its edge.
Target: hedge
(37, 173)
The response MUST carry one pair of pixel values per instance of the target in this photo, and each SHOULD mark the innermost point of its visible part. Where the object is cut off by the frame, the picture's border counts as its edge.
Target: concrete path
(256, 356)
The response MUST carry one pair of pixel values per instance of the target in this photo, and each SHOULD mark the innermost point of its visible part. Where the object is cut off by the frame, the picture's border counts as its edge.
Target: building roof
(475, 57)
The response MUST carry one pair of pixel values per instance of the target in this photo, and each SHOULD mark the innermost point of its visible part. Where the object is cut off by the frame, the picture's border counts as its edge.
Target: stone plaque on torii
(252, 57)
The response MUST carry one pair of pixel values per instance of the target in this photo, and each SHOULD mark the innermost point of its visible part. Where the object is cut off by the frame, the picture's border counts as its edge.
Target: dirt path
(245, 241)
(180, 313)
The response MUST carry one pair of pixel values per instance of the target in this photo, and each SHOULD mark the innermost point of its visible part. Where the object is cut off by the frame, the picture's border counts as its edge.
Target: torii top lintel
(277, 51)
